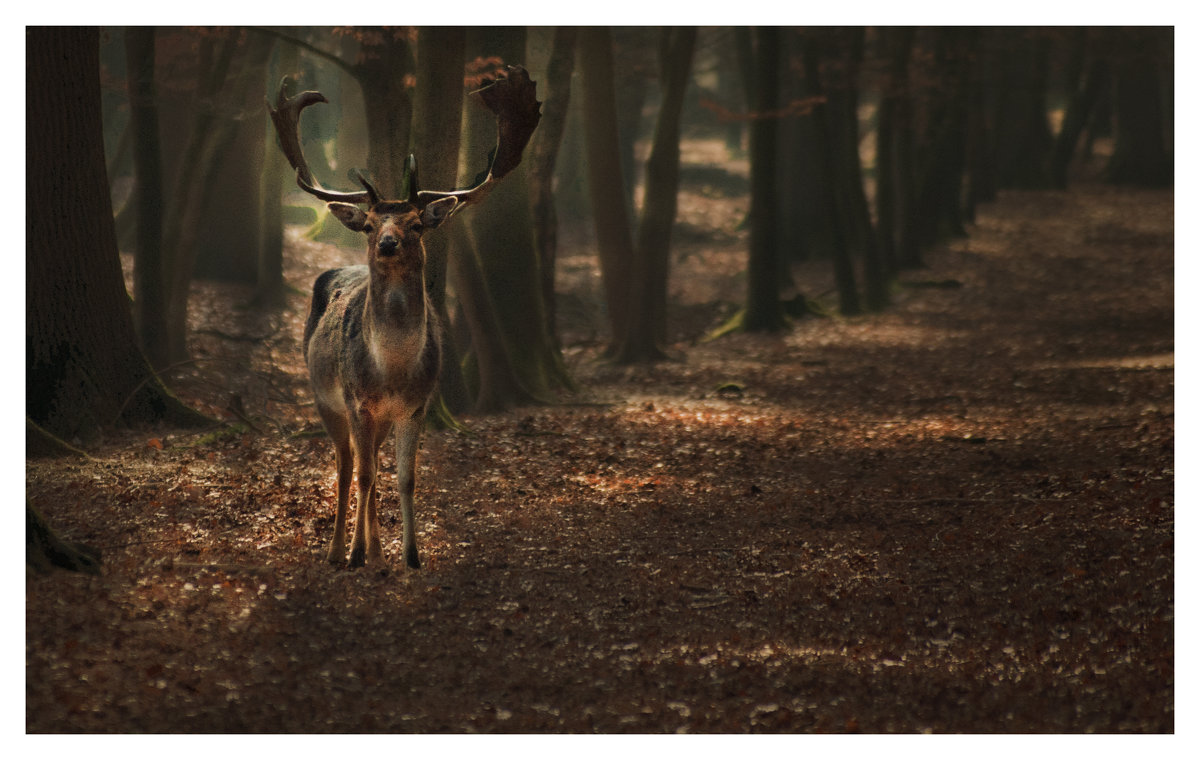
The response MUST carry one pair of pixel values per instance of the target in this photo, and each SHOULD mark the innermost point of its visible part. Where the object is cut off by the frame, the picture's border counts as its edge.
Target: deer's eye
(368, 228)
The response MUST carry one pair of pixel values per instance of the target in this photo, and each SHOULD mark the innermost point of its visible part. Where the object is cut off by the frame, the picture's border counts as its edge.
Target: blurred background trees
(865, 148)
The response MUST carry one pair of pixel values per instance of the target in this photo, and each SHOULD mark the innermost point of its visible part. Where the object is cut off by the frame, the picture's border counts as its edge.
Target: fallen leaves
(955, 516)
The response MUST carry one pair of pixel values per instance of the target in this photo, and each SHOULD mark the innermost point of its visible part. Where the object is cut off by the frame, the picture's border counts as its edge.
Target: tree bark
(436, 131)
(647, 326)
(268, 283)
(44, 550)
(542, 155)
(502, 229)
(1079, 110)
(764, 312)
(149, 314)
(843, 264)
(84, 370)
(614, 236)
(1139, 151)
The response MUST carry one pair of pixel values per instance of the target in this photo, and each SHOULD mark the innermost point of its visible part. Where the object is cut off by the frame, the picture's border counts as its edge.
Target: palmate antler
(511, 97)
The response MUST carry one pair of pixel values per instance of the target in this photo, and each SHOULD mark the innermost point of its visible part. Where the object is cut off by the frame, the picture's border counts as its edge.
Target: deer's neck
(396, 326)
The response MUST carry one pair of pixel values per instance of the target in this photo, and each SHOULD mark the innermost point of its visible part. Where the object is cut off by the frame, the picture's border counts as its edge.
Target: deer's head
(394, 227)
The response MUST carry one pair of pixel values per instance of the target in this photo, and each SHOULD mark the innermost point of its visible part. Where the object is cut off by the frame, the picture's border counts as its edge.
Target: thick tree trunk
(502, 229)
(1139, 151)
(437, 126)
(1023, 131)
(83, 368)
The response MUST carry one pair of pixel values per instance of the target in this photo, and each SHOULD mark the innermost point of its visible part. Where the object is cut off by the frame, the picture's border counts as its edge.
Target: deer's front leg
(408, 438)
(364, 442)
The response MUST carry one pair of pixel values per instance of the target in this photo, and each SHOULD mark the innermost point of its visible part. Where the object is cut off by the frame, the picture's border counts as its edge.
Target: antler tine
(513, 98)
(373, 195)
(410, 179)
(285, 115)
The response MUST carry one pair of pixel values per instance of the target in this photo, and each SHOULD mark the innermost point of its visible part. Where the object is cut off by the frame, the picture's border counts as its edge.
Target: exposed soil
(956, 516)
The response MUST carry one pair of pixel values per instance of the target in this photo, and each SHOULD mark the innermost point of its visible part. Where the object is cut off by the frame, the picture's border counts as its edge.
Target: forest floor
(954, 516)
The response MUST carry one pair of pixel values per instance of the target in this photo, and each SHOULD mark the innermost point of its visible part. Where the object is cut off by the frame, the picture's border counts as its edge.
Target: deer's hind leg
(339, 432)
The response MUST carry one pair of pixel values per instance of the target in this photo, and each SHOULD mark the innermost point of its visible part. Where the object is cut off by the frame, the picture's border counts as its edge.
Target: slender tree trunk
(843, 264)
(149, 286)
(268, 284)
(647, 326)
(764, 312)
(542, 155)
(1079, 110)
(186, 202)
(613, 232)
(83, 368)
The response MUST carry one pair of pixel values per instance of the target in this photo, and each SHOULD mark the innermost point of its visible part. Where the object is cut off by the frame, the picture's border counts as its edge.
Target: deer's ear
(438, 211)
(350, 215)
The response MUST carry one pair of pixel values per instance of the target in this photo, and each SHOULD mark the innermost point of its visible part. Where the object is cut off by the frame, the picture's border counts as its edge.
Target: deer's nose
(387, 245)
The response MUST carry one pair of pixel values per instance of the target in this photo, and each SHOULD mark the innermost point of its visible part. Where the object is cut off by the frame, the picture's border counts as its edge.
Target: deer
(372, 338)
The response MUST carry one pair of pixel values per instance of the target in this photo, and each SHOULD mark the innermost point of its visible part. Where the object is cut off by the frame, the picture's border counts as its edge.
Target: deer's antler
(285, 115)
(513, 98)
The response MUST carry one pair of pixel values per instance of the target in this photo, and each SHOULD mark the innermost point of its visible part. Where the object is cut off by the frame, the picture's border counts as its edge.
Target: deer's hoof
(412, 560)
(358, 557)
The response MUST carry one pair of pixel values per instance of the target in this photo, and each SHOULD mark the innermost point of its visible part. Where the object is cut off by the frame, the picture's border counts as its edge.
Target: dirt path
(956, 516)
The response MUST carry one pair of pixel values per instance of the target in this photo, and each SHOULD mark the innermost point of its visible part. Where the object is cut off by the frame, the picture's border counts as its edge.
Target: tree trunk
(892, 185)
(149, 286)
(764, 312)
(647, 326)
(436, 131)
(1023, 132)
(1079, 111)
(381, 72)
(83, 369)
(843, 264)
(542, 155)
(502, 229)
(268, 283)
(186, 202)
(614, 236)
(1139, 151)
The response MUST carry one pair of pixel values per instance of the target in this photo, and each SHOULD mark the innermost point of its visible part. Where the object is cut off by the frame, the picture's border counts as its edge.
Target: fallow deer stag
(372, 339)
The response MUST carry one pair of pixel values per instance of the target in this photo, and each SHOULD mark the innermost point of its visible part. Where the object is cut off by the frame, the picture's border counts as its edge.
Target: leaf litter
(955, 516)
